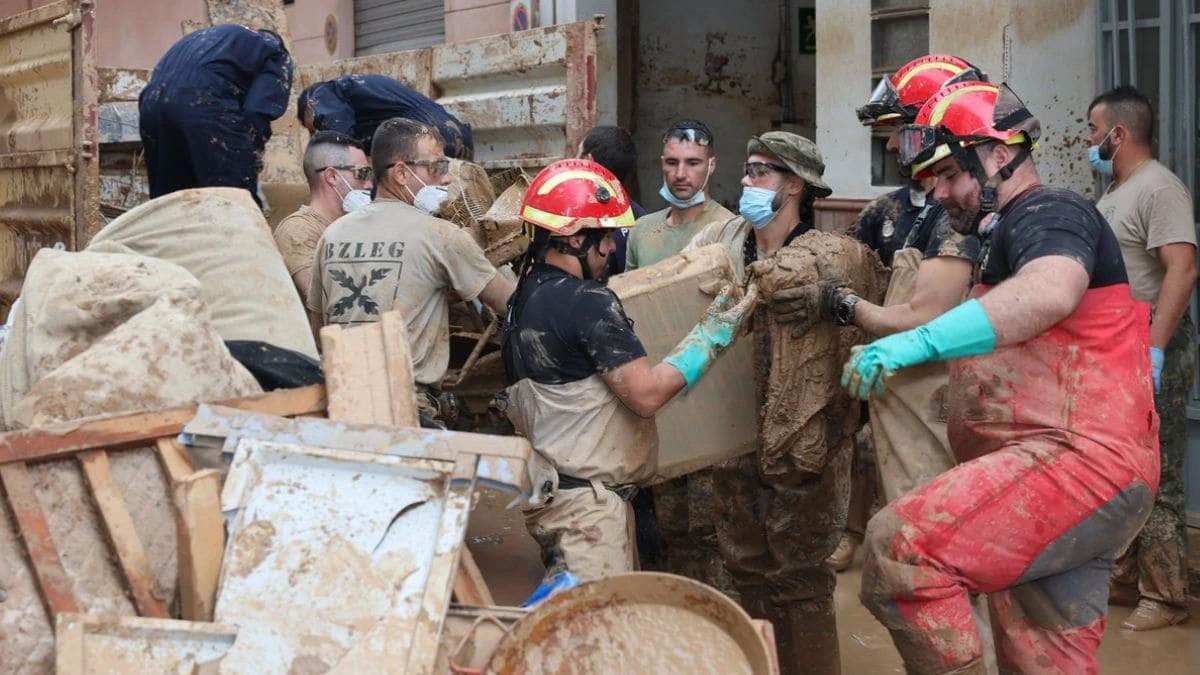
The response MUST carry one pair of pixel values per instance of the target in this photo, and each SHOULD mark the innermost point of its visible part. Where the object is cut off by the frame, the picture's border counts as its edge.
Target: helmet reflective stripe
(548, 220)
(939, 109)
(558, 179)
(932, 65)
(624, 220)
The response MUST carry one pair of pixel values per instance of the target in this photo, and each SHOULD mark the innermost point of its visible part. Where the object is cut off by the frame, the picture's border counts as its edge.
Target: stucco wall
(1046, 50)
(715, 66)
(468, 19)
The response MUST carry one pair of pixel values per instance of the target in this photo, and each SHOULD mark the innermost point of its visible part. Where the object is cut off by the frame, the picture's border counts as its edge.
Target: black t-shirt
(1052, 221)
(892, 222)
(565, 329)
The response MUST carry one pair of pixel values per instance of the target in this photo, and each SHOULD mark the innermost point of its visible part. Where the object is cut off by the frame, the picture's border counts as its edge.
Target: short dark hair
(612, 148)
(1130, 108)
(396, 140)
(691, 130)
(325, 148)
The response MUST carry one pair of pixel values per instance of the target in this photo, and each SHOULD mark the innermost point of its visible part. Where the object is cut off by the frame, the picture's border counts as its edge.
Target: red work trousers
(1058, 439)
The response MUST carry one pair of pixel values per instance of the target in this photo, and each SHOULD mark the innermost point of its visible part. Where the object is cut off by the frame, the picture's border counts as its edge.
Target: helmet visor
(972, 74)
(918, 142)
(885, 100)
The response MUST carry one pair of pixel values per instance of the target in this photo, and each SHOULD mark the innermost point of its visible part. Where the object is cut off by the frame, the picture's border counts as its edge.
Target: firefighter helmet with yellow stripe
(898, 98)
(963, 115)
(572, 195)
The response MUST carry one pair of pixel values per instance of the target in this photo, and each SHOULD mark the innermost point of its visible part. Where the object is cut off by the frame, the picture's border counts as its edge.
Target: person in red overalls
(1051, 412)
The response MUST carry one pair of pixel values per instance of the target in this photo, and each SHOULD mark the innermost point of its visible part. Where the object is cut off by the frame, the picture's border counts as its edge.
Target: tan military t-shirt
(1151, 209)
(297, 237)
(651, 239)
(392, 256)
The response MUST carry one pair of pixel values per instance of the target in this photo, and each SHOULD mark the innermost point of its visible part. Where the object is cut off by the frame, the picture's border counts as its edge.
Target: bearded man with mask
(775, 533)
(688, 162)
(1150, 211)
(339, 181)
(393, 255)
(1050, 412)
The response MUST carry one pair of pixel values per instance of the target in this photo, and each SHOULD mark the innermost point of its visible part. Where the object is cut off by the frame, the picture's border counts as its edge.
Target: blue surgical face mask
(1104, 167)
(698, 198)
(757, 206)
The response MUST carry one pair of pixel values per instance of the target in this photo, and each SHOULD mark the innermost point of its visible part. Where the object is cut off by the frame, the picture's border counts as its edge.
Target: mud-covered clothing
(1052, 222)
(1048, 490)
(357, 104)
(653, 239)
(392, 256)
(563, 333)
(297, 236)
(568, 329)
(205, 116)
(886, 222)
(1151, 209)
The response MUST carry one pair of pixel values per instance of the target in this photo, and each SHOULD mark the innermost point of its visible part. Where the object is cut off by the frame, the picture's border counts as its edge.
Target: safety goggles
(697, 136)
(436, 167)
(884, 100)
(760, 169)
(359, 172)
(918, 142)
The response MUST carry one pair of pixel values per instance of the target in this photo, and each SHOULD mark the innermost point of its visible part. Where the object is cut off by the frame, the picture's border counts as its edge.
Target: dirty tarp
(806, 412)
(101, 333)
(220, 236)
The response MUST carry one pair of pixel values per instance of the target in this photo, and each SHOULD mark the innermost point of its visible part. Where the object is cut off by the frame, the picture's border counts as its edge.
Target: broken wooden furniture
(92, 645)
(115, 577)
(345, 538)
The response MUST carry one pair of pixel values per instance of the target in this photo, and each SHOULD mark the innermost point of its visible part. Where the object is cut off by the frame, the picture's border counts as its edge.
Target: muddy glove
(716, 331)
(1156, 365)
(965, 330)
(807, 304)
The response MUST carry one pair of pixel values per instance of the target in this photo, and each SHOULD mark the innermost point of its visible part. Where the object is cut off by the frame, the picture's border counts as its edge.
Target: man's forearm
(1172, 304)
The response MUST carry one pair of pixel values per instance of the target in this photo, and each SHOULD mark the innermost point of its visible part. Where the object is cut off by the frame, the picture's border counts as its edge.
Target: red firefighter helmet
(897, 99)
(963, 115)
(576, 194)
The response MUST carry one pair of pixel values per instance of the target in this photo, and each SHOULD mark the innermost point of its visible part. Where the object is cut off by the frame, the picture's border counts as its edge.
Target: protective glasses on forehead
(697, 136)
(359, 172)
(436, 167)
(760, 169)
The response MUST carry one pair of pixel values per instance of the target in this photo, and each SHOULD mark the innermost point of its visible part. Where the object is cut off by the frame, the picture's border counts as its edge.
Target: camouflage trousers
(775, 536)
(686, 524)
(1157, 559)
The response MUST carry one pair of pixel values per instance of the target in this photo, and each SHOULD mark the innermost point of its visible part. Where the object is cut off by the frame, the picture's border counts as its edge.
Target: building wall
(1045, 50)
(715, 64)
(468, 19)
(136, 33)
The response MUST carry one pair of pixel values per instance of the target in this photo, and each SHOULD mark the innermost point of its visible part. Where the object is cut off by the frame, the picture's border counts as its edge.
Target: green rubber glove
(965, 330)
(716, 331)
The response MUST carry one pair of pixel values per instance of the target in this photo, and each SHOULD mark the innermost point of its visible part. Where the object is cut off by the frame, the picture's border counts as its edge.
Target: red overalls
(1058, 443)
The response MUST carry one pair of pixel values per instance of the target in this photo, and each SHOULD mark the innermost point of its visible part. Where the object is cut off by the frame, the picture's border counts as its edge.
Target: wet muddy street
(867, 649)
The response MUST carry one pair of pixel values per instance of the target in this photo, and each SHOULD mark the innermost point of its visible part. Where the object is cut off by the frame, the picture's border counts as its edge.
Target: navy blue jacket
(225, 69)
(357, 104)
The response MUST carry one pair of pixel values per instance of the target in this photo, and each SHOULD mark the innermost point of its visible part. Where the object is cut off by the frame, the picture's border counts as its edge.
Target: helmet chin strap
(591, 238)
(988, 184)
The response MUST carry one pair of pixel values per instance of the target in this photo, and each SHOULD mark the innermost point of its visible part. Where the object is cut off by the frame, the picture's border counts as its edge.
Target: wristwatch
(844, 312)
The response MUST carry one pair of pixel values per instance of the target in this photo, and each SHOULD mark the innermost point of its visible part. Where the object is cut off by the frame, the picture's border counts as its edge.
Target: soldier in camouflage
(1151, 213)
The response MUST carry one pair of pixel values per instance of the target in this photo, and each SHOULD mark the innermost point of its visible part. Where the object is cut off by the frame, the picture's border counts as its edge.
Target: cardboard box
(719, 418)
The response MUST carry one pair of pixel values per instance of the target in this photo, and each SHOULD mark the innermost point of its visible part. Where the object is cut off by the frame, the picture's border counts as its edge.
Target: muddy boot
(807, 640)
(758, 605)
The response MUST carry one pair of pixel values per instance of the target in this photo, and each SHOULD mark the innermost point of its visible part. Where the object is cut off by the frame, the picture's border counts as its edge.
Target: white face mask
(430, 197)
(354, 199)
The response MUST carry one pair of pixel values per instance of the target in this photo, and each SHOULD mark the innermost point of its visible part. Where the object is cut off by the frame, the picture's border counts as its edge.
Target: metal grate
(395, 25)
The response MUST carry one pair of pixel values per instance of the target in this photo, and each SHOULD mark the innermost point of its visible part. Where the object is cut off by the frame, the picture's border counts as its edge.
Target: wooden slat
(201, 532)
(369, 373)
(57, 591)
(117, 522)
(176, 461)
(131, 431)
(469, 586)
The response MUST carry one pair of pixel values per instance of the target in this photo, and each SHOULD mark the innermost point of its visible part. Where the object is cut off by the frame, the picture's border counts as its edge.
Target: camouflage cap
(796, 152)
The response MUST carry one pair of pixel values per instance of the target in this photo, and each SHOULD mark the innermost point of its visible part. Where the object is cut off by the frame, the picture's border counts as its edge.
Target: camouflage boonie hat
(798, 153)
